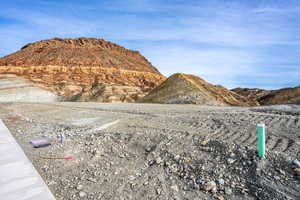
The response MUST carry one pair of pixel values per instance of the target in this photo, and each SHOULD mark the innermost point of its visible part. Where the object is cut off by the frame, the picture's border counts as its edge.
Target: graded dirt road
(152, 151)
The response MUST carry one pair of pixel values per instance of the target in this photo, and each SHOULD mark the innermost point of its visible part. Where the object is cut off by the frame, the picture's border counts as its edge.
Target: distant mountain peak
(78, 52)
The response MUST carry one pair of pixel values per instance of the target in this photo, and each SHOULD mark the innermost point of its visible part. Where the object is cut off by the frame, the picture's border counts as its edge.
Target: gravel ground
(152, 151)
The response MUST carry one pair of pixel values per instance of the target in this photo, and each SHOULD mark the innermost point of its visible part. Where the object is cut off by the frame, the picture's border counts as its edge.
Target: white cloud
(268, 10)
(276, 10)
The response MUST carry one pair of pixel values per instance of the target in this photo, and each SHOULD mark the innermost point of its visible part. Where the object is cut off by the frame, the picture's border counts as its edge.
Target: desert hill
(183, 88)
(252, 93)
(84, 69)
(270, 97)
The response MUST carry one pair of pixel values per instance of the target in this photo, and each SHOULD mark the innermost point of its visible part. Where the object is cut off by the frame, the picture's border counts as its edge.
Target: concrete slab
(18, 178)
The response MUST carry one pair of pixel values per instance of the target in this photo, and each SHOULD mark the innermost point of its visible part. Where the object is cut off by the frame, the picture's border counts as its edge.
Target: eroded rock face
(251, 93)
(84, 69)
(271, 97)
(86, 83)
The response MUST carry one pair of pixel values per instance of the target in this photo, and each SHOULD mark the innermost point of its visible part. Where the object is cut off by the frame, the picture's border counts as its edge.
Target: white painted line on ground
(105, 126)
(84, 121)
(18, 178)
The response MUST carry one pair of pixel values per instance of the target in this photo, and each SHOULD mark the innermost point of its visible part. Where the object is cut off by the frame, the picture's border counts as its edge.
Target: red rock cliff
(84, 69)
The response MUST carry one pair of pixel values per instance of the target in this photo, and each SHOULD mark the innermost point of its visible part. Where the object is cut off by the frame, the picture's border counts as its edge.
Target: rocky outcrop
(251, 93)
(271, 97)
(84, 69)
(282, 96)
(78, 52)
(84, 83)
(190, 89)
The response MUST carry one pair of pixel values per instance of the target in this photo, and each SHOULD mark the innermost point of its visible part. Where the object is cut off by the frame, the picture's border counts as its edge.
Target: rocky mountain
(84, 69)
(270, 97)
(189, 89)
(251, 93)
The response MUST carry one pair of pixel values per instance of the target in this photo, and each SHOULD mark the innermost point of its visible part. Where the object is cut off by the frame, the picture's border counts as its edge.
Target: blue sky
(234, 43)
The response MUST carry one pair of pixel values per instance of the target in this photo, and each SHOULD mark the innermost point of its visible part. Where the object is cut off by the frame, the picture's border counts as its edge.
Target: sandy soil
(151, 151)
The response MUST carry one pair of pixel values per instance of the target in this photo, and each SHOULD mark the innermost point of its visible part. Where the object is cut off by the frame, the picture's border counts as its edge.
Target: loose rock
(82, 194)
(228, 191)
(297, 163)
(210, 186)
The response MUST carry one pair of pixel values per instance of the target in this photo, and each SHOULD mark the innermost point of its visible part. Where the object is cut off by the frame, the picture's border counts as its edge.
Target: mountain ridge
(289, 95)
(68, 52)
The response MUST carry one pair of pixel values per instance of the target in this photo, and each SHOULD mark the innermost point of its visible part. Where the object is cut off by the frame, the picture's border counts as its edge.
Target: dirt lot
(148, 151)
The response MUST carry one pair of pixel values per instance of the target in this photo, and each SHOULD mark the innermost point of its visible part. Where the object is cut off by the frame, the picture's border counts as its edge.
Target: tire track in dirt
(271, 141)
(246, 138)
(283, 145)
(222, 135)
(289, 145)
(282, 123)
(277, 144)
(253, 142)
(233, 136)
(297, 122)
(217, 132)
(290, 122)
(240, 128)
(270, 121)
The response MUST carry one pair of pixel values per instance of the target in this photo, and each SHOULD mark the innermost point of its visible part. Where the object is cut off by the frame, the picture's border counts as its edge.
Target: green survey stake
(261, 140)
